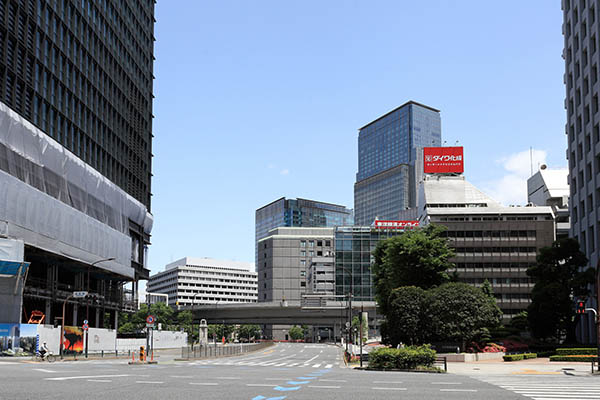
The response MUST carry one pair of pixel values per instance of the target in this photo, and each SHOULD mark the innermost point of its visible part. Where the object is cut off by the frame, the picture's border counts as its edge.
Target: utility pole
(361, 333)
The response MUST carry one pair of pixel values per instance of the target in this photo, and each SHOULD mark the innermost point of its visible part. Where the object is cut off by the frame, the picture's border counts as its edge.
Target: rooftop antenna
(531, 160)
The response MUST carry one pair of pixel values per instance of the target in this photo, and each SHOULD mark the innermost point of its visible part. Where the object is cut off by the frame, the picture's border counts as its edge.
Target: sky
(263, 99)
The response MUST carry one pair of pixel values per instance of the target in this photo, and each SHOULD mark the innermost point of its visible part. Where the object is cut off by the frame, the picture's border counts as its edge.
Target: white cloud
(271, 166)
(284, 172)
(512, 187)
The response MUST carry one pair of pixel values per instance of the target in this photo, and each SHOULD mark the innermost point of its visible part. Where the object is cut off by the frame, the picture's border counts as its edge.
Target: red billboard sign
(443, 160)
(396, 224)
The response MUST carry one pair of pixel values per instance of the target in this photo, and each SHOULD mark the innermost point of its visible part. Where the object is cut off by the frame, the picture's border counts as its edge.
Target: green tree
(248, 332)
(418, 257)
(519, 322)
(296, 333)
(558, 281)
(460, 312)
(356, 328)
(405, 321)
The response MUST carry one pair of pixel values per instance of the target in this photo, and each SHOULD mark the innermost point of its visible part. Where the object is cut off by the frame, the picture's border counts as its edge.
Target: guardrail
(212, 351)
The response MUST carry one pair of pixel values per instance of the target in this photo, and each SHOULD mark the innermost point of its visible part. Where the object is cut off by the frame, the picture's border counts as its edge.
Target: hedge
(405, 358)
(581, 358)
(519, 357)
(589, 351)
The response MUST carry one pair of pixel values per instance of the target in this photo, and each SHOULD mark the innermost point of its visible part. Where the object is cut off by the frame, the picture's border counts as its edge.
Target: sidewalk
(537, 366)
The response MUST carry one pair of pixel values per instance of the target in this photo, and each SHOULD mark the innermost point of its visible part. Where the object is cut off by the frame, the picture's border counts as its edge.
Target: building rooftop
(554, 182)
(211, 262)
(397, 108)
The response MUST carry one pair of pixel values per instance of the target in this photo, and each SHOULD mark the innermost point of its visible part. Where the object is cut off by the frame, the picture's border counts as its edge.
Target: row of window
(507, 250)
(530, 234)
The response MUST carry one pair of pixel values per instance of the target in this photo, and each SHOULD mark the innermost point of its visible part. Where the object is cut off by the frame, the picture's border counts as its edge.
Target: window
(303, 284)
(303, 253)
(328, 243)
(319, 243)
(311, 243)
(319, 253)
(303, 243)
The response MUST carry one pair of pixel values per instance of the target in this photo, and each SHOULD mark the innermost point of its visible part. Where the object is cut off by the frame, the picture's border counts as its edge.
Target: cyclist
(44, 350)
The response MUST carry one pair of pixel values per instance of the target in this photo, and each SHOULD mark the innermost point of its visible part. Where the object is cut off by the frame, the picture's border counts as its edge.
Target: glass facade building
(82, 72)
(299, 213)
(388, 167)
(353, 248)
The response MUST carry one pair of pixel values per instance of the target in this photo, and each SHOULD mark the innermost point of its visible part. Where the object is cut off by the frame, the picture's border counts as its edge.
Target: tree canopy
(418, 257)
(559, 279)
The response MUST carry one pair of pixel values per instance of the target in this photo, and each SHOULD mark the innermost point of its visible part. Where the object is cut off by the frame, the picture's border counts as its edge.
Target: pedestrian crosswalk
(557, 387)
(263, 364)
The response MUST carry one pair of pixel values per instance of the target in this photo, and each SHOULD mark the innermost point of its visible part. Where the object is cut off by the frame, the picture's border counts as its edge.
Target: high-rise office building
(75, 150)
(582, 59)
(388, 169)
(299, 213)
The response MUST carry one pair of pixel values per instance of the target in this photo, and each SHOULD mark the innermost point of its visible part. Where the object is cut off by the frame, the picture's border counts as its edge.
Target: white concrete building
(206, 281)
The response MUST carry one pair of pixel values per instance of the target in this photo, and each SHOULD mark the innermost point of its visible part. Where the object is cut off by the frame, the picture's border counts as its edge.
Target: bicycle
(47, 357)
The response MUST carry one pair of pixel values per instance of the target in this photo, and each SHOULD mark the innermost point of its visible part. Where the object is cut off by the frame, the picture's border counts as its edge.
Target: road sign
(85, 327)
(150, 319)
(80, 294)
(149, 325)
(85, 321)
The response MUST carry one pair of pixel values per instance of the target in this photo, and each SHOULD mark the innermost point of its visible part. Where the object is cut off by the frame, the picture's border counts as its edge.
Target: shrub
(405, 358)
(546, 353)
(577, 351)
(530, 355)
(581, 357)
(513, 357)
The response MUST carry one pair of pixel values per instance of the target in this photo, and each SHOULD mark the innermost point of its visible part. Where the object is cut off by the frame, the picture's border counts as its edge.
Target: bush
(582, 358)
(405, 358)
(577, 351)
(513, 357)
(530, 355)
(546, 353)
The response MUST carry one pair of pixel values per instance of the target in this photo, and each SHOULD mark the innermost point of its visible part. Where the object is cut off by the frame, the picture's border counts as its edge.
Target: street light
(87, 306)
(193, 304)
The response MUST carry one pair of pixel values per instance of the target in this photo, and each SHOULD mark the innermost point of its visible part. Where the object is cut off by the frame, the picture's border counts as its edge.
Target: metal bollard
(102, 354)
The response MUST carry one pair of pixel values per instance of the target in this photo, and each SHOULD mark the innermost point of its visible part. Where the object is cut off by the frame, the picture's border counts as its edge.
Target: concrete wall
(101, 339)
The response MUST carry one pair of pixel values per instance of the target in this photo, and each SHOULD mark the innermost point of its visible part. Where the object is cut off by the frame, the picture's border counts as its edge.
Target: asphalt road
(284, 371)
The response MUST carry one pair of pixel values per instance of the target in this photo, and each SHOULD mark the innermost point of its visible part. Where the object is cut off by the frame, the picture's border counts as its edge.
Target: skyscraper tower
(388, 170)
(76, 147)
(582, 58)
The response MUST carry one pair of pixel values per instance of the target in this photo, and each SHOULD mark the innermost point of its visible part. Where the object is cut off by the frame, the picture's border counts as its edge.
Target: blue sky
(263, 99)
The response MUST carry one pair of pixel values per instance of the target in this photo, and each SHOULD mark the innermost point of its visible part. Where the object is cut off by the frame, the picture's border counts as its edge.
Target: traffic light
(580, 307)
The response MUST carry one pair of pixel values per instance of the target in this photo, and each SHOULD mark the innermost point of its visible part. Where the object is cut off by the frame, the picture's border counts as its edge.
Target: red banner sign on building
(396, 224)
(443, 160)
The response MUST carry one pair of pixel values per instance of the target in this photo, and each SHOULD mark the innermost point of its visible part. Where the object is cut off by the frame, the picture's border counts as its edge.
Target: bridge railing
(215, 351)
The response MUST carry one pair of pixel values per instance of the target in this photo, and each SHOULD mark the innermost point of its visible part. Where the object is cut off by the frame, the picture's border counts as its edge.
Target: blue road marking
(259, 398)
(297, 382)
(285, 389)
(306, 377)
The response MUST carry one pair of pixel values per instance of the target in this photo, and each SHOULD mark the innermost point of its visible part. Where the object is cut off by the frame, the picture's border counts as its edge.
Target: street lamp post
(193, 304)
(87, 311)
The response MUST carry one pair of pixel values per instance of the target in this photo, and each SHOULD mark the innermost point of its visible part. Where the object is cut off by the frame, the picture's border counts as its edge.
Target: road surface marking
(280, 364)
(261, 384)
(328, 366)
(387, 388)
(308, 361)
(392, 382)
(48, 371)
(293, 364)
(227, 377)
(332, 380)
(68, 378)
(99, 380)
(181, 376)
(446, 383)
(458, 390)
(316, 365)
(204, 383)
(324, 387)
(149, 382)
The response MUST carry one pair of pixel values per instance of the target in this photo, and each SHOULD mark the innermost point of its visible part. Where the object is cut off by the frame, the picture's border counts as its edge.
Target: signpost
(85, 331)
(80, 294)
(150, 320)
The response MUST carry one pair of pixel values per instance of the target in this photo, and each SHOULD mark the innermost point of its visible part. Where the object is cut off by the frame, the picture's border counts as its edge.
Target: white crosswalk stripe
(267, 363)
(557, 387)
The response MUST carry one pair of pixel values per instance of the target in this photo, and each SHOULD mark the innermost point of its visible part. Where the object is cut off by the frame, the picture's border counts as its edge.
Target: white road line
(329, 366)
(227, 377)
(458, 390)
(48, 371)
(308, 361)
(280, 364)
(324, 387)
(149, 382)
(260, 384)
(316, 365)
(446, 383)
(387, 388)
(204, 383)
(388, 382)
(99, 380)
(68, 378)
(293, 364)
(332, 380)
(181, 376)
